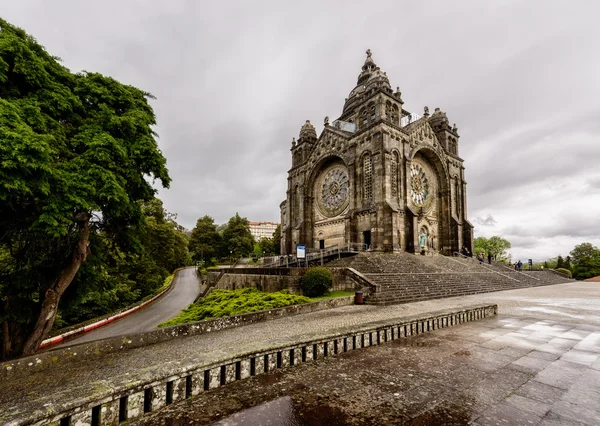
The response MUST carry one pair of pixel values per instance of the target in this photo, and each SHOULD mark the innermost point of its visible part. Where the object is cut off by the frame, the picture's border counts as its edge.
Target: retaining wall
(287, 279)
(117, 403)
(54, 358)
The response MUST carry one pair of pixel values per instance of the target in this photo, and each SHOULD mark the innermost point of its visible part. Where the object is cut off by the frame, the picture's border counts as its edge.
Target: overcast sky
(235, 81)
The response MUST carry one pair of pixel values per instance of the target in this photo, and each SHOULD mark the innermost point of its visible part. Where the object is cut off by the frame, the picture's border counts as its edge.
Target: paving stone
(577, 412)
(560, 374)
(544, 355)
(580, 357)
(540, 392)
(505, 414)
(532, 406)
(553, 419)
(530, 364)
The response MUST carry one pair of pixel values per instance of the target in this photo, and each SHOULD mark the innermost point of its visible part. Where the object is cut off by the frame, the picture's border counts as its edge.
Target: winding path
(183, 291)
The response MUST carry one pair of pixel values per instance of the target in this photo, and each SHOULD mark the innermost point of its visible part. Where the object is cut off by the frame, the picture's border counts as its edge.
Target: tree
(585, 260)
(205, 240)
(76, 153)
(496, 246)
(111, 279)
(560, 263)
(567, 264)
(546, 265)
(277, 240)
(265, 246)
(237, 237)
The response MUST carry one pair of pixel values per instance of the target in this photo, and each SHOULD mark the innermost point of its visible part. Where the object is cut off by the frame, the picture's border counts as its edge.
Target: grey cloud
(485, 221)
(572, 225)
(235, 81)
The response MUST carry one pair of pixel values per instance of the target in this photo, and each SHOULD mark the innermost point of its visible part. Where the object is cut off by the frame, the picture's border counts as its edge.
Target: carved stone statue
(423, 239)
(327, 120)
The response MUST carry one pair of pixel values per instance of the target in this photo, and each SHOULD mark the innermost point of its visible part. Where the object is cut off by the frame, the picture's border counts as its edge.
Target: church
(379, 177)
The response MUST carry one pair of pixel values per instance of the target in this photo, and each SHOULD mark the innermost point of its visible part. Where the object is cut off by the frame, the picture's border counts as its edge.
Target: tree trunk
(49, 304)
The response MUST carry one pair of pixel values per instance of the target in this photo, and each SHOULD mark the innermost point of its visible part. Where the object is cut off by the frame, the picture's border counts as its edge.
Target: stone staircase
(404, 277)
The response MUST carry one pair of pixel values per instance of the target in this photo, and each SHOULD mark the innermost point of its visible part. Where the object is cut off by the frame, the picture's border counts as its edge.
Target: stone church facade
(378, 176)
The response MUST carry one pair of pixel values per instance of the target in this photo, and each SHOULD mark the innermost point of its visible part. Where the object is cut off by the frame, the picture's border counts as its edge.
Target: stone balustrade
(119, 402)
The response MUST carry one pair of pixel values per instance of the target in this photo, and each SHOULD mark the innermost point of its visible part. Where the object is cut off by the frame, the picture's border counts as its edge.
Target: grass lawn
(222, 303)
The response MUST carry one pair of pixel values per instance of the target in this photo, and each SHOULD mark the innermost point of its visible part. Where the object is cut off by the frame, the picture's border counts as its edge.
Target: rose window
(419, 185)
(334, 191)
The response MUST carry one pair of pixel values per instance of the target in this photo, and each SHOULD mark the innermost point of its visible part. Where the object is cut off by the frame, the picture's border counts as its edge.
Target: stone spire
(308, 131)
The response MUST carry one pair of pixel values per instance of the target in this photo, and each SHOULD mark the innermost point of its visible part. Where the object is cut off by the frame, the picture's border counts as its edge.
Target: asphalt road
(183, 292)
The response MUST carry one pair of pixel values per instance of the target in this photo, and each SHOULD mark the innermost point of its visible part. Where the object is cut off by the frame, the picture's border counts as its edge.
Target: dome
(439, 119)
(308, 131)
(371, 76)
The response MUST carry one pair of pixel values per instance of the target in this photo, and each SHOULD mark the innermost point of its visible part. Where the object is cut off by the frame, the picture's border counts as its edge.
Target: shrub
(316, 282)
(564, 272)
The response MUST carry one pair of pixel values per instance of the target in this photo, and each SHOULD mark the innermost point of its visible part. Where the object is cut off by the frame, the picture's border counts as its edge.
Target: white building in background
(262, 229)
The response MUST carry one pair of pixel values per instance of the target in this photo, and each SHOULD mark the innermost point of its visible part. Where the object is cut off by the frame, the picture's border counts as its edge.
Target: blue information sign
(301, 252)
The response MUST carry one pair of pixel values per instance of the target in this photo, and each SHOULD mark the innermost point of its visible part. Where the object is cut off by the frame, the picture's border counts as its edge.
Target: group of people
(518, 266)
(481, 256)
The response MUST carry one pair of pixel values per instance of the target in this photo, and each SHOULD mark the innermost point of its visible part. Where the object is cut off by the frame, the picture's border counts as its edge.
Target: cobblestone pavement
(574, 303)
(508, 370)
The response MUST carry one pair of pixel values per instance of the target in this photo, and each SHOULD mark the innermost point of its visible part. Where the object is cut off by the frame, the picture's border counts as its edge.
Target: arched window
(362, 118)
(458, 198)
(296, 209)
(367, 178)
(388, 110)
(394, 117)
(372, 112)
(394, 175)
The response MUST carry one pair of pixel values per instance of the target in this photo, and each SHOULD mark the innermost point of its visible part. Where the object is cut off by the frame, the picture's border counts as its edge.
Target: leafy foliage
(585, 260)
(496, 246)
(316, 281)
(237, 237)
(277, 240)
(112, 279)
(76, 153)
(205, 240)
(565, 271)
(221, 303)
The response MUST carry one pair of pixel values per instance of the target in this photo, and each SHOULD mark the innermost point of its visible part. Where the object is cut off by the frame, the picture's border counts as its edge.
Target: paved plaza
(537, 363)
(560, 323)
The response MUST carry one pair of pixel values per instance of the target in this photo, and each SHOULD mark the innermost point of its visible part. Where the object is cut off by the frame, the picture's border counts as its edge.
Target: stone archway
(330, 197)
(428, 199)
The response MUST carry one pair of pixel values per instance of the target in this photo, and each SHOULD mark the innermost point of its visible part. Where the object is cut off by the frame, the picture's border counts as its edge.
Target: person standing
(519, 265)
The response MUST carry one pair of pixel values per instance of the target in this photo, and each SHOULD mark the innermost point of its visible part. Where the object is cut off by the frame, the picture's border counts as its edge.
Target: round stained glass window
(334, 191)
(419, 185)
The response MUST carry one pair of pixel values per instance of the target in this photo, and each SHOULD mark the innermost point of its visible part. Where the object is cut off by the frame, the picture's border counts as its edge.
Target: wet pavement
(537, 363)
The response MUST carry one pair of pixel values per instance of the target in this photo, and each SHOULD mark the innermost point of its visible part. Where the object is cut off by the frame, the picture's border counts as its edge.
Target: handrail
(497, 264)
(316, 254)
(484, 265)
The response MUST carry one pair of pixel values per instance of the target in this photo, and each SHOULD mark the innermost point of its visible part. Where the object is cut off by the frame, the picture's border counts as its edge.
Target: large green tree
(76, 152)
(585, 261)
(496, 246)
(237, 237)
(205, 240)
